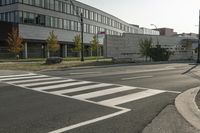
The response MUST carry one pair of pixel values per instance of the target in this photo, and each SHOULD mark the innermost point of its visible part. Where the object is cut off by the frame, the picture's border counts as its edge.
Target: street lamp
(157, 30)
(198, 49)
(81, 21)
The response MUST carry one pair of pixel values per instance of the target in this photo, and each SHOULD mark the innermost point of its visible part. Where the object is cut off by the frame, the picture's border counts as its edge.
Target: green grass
(43, 59)
(39, 64)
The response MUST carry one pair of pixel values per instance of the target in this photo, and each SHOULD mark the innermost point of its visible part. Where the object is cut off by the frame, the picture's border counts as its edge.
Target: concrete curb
(186, 106)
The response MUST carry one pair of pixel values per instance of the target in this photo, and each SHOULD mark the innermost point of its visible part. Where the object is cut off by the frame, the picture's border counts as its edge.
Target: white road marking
(103, 92)
(90, 121)
(82, 88)
(30, 77)
(44, 83)
(140, 77)
(151, 70)
(20, 75)
(82, 73)
(33, 80)
(130, 97)
(61, 85)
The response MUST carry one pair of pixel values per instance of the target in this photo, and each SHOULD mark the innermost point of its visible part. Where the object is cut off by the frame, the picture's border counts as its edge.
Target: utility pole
(157, 30)
(198, 49)
(80, 16)
(82, 46)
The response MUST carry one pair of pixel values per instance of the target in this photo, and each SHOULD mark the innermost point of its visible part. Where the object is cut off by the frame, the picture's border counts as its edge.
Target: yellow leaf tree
(94, 44)
(14, 42)
(77, 44)
(52, 43)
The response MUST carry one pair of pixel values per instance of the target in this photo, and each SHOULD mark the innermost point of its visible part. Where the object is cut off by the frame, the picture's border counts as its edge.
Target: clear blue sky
(181, 15)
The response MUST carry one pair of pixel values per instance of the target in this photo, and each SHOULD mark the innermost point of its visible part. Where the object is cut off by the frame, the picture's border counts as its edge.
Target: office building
(35, 19)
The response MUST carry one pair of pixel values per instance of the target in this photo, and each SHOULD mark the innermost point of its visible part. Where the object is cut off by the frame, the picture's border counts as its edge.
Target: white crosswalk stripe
(88, 87)
(20, 75)
(130, 97)
(104, 92)
(45, 83)
(85, 90)
(17, 78)
(33, 80)
(61, 85)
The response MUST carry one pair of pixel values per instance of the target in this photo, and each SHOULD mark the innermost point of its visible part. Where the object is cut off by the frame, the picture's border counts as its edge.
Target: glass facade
(61, 6)
(50, 21)
(65, 7)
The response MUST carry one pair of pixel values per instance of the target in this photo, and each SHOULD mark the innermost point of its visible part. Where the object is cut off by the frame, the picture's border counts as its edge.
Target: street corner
(186, 105)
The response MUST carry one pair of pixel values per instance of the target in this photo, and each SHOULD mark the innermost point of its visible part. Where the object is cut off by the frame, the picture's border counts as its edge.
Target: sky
(180, 15)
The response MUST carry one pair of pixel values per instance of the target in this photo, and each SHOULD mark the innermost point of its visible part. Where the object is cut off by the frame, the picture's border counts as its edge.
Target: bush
(53, 60)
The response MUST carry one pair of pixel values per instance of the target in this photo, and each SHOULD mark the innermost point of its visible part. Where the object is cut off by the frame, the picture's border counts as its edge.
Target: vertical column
(25, 51)
(64, 50)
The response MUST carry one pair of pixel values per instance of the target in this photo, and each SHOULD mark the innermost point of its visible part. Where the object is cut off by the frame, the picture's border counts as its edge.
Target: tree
(15, 42)
(94, 44)
(77, 44)
(145, 47)
(52, 43)
(160, 54)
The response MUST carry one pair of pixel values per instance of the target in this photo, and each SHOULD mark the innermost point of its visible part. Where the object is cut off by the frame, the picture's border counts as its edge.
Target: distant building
(166, 32)
(127, 46)
(188, 35)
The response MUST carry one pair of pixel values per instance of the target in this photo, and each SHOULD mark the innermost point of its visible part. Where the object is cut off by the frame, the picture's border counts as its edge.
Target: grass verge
(41, 66)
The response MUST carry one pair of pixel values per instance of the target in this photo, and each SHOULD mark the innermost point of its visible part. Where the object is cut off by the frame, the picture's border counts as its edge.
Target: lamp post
(198, 49)
(81, 22)
(156, 36)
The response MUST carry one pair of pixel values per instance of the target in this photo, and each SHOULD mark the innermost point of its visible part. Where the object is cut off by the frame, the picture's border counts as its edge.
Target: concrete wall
(127, 47)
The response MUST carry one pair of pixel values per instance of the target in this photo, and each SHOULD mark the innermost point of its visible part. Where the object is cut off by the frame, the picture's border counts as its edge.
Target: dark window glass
(40, 19)
(46, 4)
(60, 23)
(37, 2)
(66, 24)
(48, 21)
(56, 5)
(21, 20)
(60, 6)
(51, 4)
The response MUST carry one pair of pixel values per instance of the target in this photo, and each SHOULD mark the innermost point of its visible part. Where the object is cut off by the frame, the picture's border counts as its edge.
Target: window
(56, 6)
(21, 20)
(51, 4)
(60, 6)
(60, 23)
(66, 24)
(99, 18)
(68, 9)
(56, 23)
(25, 1)
(95, 16)
(64, 9)
(52, 22)
(72, 25)
(91, 15)
(76, 26)
(37, 3)
(46, 4)
(48, 21)
(40, 19)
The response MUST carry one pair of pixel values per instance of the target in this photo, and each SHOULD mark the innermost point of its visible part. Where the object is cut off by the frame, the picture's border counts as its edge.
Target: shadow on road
(190, 69)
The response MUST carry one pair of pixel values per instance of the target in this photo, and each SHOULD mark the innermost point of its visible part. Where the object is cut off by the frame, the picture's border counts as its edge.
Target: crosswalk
(106, 94)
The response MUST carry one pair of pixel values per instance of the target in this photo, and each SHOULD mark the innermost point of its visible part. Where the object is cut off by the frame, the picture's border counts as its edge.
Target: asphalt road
(111, 99)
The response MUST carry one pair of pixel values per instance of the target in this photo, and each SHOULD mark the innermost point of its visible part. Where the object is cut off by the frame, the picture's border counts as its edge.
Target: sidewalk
(184, 117)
